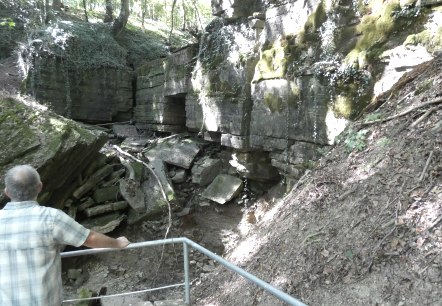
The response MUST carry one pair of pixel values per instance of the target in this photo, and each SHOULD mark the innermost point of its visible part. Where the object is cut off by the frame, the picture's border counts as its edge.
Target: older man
(31, 237)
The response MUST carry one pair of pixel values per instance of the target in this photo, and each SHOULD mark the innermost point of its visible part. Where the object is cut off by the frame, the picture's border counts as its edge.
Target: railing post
(186, 274)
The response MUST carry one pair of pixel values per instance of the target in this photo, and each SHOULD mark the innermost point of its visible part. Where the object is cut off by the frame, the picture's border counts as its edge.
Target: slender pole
(269, 288)
(186, 274)
(187, 242)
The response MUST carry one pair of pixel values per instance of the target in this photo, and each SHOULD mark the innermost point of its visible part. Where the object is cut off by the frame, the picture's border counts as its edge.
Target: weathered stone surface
(131, 191)
(106, 194)
(223, 188)
(180, 176)
(398, 61)
(136, 144)
(124, 130)
(235, 142)
(205, 170)
(161, 90)
(255, 166)
(38, 137)
(86, 204)
(220, 100)
(158, 167)
(93, 95)
(288, 169)
(175, 151)
(154, 199)
(299, 153)
(178, 68)
(279, 112)
(234, 9)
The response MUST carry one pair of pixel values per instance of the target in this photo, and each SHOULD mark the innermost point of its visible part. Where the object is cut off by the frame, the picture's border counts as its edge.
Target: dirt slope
(364, 227)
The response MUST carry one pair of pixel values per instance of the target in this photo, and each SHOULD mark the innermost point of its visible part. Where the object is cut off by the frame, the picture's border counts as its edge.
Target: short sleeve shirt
(31, 237)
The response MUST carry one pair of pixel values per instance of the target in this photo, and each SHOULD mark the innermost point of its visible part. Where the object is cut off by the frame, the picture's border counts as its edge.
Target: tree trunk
(143, 12)
(48, 11)
(121, 21)
(171, 16)
(109, 17)
(184, 17)
(85, 10)
(56, 5)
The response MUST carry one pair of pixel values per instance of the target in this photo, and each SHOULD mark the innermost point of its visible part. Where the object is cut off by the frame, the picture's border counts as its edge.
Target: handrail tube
(135, 245)
(186, 274)
(122, 294)
(276, 292)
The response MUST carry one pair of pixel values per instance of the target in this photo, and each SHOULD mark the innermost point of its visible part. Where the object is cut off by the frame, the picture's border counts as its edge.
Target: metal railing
(186, 243)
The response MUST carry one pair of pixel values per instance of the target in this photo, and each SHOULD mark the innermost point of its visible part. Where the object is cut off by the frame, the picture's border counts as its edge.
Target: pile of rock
(141, 177)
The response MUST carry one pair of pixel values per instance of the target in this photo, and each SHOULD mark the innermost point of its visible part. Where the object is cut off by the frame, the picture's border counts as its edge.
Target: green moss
(425, 38)
(378, 29)
(272, 65)
(349, 105)
(423, 86)
(314, 21)
(273, 102)
(343, 106)
(84, 294)
(275, 59)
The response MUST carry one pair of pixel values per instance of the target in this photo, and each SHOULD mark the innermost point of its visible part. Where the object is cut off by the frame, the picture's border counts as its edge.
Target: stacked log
(96, 202)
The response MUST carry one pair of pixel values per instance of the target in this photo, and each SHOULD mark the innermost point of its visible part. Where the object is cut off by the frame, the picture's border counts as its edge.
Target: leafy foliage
(79, 44)
(355, 141)
(373, 117)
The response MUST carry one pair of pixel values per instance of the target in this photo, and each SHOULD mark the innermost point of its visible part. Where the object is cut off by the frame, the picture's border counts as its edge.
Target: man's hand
(123, 241)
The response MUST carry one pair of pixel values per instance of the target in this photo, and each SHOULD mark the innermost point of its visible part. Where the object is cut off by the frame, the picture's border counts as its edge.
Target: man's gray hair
(22, 183)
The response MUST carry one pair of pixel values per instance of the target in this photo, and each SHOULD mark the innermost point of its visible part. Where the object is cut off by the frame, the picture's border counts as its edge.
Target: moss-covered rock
(36, 136)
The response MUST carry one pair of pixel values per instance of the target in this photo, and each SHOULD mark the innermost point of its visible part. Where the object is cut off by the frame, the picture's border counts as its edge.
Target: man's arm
(97, 240)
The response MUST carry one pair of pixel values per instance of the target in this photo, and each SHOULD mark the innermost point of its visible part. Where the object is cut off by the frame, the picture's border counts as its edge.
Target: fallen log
(101, 209)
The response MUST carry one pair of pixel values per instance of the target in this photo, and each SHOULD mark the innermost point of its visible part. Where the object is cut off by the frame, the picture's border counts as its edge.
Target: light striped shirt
(31, 237)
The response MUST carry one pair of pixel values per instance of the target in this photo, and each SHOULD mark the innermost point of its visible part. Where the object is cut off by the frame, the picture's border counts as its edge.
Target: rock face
(273, 80)
(49, 143)
(283, 78)
(162, 86)
(95, 95)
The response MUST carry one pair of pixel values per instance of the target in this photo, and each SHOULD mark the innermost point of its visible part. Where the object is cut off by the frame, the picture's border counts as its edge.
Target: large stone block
(204, 171)
(223, 188)
(49, 143)
(177, 151)
(92, 95)
(290, 110)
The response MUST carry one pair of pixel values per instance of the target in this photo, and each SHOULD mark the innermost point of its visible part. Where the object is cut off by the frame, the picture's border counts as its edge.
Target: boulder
(179, 176)
(131, 191)
(205, 170)
(125, 130)
(39, 137)
(176, 151)
(223, 188)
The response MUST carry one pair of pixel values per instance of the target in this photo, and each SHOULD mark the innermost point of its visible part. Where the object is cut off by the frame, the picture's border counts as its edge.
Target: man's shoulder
(50, 211)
